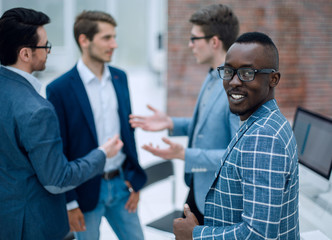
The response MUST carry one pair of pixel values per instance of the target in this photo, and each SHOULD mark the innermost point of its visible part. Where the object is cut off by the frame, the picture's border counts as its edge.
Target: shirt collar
(36, 84)
(87, 76)
(214, 74)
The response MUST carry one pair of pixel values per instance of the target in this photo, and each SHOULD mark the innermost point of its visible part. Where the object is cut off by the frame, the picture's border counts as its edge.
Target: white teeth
(235, 96)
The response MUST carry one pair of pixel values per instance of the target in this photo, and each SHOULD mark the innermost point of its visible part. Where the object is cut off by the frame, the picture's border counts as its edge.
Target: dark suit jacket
(33, 170)
(69, 97)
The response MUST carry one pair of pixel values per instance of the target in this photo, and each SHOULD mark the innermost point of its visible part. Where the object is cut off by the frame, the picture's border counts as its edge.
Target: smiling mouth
(237, 96)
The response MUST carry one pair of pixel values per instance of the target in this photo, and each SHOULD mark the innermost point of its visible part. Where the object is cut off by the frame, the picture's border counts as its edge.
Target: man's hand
(112, 146)
(157, 122)
(183, 227)
(132, 202)
(175, 150)
(76, 220)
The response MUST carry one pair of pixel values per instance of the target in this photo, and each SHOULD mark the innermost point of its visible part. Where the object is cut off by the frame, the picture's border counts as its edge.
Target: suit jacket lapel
(82, 96)
(215, 95)
(118, 90)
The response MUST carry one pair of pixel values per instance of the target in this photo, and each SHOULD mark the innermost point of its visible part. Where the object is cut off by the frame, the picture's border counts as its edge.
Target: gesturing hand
(157, 122)
(112, 146)
(175, 150)
(183, 227)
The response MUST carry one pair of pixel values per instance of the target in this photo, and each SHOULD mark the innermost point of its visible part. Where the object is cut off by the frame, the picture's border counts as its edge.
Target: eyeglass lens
(245, 74)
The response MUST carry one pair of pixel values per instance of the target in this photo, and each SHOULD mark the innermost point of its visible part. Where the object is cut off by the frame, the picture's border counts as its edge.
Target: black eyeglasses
(48, 46)
(192, 39)
(244, 74)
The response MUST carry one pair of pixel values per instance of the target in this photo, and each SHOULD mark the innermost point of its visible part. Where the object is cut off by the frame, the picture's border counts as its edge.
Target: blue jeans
(112, 199)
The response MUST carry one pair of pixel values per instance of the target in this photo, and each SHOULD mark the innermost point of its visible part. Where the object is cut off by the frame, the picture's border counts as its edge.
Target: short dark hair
(266, 41)
(218, 20)
(18, 28)
(87, 23)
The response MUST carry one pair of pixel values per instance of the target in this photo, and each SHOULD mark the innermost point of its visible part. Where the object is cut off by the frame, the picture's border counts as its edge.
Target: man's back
(28, 210)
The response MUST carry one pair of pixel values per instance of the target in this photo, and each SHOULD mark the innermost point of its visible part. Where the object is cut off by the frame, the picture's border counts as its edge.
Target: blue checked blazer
(255, 193)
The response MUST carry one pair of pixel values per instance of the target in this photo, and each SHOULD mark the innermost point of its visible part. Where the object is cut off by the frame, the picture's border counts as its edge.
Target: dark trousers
(193, 207)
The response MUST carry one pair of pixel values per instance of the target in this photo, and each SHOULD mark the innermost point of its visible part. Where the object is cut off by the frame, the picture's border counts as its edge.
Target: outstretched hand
(175, 150)
(157, 122)
(183, 227)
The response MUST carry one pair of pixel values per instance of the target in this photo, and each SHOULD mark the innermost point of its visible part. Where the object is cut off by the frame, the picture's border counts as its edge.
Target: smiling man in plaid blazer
(255, 193)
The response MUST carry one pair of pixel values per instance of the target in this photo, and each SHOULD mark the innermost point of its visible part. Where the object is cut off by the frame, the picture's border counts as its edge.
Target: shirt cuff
(103, 150)
(72, 205)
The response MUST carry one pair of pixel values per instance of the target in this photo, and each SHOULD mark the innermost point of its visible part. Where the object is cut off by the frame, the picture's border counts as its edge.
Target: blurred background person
(212, 126)
(93, 103)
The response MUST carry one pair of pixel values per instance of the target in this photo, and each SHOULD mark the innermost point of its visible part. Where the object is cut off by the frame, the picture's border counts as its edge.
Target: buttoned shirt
(104, 105)
(255, 193)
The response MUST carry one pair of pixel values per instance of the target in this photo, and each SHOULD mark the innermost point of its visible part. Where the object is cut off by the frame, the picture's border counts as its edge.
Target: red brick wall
(302, 31)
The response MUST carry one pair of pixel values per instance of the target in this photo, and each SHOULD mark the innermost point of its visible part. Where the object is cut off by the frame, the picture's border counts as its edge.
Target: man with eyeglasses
(214, 29)
(255, 192)
(34, 173)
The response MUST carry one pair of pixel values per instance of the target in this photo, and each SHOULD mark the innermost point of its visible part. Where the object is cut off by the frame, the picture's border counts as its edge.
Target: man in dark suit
(92, 102)
(33, 170)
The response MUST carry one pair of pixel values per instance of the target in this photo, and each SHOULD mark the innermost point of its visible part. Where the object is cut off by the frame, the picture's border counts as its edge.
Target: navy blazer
(33, 170)
(68, 95)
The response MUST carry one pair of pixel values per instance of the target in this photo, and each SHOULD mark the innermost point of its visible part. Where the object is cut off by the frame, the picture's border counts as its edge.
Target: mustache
(235, 91)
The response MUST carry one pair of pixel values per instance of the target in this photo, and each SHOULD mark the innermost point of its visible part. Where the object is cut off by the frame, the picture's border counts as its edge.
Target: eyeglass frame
(235, 71)
(48, 46)
(192, 39)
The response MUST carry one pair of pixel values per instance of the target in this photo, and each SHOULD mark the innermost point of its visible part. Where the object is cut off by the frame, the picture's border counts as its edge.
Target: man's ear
(83, 40)
(216, 42)
(274, 80)
(25, 54)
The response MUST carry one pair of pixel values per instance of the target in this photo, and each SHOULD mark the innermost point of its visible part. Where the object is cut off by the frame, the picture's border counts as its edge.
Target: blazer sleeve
(42, 142)
(210, 159)
(180, 126)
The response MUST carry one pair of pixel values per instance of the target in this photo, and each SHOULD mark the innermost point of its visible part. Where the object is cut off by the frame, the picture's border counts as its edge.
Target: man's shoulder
(117, 71)
(64, 79)
(270, 123)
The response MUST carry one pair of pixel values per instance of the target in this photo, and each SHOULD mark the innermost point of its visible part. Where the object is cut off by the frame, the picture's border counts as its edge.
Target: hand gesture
(112, 146)
(157, 122)
(76, 220)
(175, 150)
(183, 227)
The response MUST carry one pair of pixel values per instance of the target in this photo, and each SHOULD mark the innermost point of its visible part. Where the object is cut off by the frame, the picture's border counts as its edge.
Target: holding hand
(157, 122)
(112, 146)
(183, 227)
(175, 150)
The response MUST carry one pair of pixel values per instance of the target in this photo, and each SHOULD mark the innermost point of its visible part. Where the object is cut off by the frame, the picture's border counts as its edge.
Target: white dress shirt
(104, 105)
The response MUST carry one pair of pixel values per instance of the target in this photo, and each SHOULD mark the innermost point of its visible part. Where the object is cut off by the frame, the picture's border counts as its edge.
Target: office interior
(142, 38)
